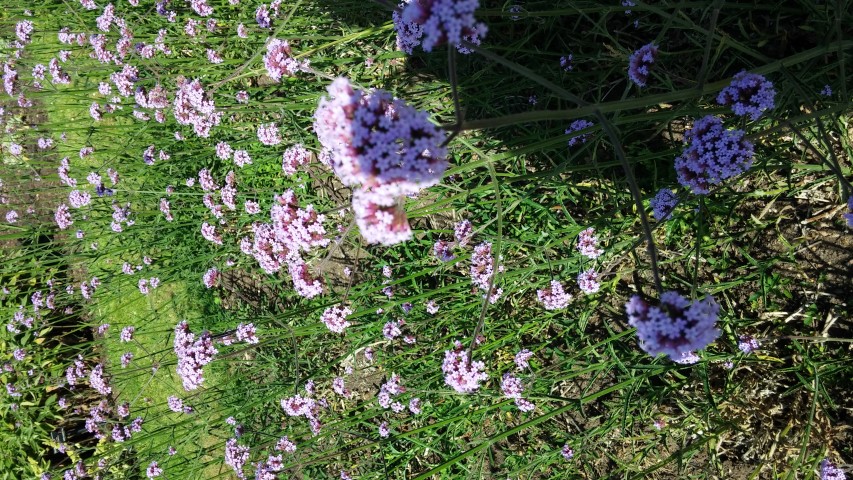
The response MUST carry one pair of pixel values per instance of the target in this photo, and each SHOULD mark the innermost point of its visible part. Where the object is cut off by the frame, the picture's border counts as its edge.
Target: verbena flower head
(588, 244)
(576, 126)
(567, 452)
(640, 62)
(849, 215)
(431, 23)
(193, 354)
(676, 327)
(280, 62)
(554, 297)
(294, 157)
(379, 141)
(463, 232)
(713, 154)
(463, 375)
(193, 106)
(748, 94)
(268, 134)
(663, 204)
(747, 344)
(380, 218)
(511, 386)
(335, 318)
(153, 470)
(588, 281)
(522, 359)
(829, 471)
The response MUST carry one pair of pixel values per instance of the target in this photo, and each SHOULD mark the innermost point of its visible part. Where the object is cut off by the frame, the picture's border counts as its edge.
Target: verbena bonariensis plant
(281, 240)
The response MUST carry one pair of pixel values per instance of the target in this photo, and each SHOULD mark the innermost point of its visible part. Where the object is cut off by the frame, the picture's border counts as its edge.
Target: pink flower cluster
(236, 456)
(335, 318)
(588, 244)
(246, 333)
(554, 297)
(385, 148)
(460, 373)
(482, 270)
(279, 60)
(640, 63)
(294, 157)
(193, 354)
(512, 387)
(293, 230)
(299, 406)
(193, 107)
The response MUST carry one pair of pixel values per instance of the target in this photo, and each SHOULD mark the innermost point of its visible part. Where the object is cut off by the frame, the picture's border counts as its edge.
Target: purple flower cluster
(713, 154)
(294, 157)
(554, 297)
(63, 217)
(588, 244)
(460, 373)
(127, 333)
(576, 126)
(293, 230)
(153, 470)
(431, 23)
(463, 232)
(299, 406)
(676, 327)
(522, 359)
(236, 456)
(246, 332)
(830, 471)
(125, 359)
(849, 215)
(588, 281)
(383, 146)
(193, 354)
(388, 391)
(280, 62)
(98, 382)
(481, 271)
(210, 277)
(640, 62)
(175, 404)
(747, 344)
(748, 94)
(335, 318)
(193, 107)
(378, 141)
(380, 218)
(285, 445)
(512, 388)
(663, 204)
(268, 134)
